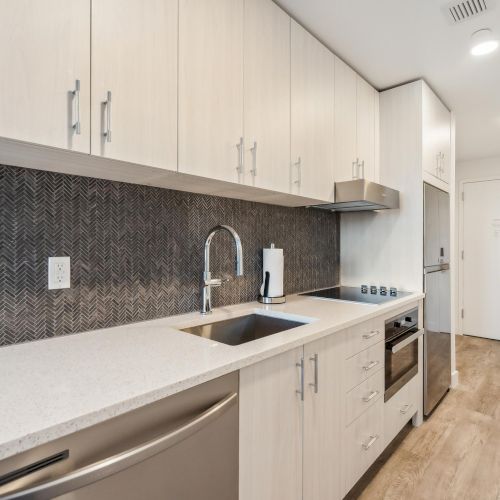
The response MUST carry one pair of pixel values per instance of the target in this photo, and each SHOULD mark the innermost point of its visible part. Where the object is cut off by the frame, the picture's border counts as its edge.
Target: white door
(365, 128)
(271, 429)
(211, 88)
(267, 96)
(322, 419)
(481, 264)
(44, 50)
(345, 122)
(134, 57)
(312, 83)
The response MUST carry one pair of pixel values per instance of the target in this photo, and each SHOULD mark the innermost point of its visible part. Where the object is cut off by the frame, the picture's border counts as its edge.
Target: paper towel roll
(273, 264)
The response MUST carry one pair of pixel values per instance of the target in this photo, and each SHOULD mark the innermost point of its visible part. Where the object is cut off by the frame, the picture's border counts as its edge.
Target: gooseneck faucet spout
(208, 282)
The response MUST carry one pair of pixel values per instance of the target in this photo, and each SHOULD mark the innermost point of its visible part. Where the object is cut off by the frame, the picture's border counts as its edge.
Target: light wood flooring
(455, 454)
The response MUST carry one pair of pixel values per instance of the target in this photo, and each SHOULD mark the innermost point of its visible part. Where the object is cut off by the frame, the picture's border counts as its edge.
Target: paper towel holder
(264, 299)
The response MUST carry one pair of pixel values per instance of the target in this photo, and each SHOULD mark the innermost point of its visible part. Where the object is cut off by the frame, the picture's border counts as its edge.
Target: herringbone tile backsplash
(137, 252)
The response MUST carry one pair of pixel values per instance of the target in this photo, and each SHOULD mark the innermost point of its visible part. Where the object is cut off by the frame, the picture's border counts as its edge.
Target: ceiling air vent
(458, 12)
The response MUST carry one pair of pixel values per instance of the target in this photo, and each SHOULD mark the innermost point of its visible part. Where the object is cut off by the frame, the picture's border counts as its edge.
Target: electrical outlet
(59, 273)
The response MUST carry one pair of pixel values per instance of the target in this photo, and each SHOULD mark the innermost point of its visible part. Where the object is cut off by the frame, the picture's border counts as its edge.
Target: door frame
(460, 280)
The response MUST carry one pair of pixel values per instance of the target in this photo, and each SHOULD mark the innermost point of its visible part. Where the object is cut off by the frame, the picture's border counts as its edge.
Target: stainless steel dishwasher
(184, 447)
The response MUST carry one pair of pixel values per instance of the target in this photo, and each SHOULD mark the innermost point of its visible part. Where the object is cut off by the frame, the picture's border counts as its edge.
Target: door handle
(298, 164)
(370, 335)
(107, 103)
(401, 345)
(372, 395)
(253, 149)
(239, 146)
(76, 95)
(300, 366)
(370, 365)
(371, 442)
(405, 409)
(121, 461)
(314, 359)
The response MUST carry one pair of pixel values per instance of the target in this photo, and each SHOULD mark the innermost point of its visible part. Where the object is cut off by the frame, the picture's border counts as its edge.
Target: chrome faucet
(208, 282)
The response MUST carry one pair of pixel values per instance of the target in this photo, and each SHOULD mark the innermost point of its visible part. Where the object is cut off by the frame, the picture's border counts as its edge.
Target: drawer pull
(371, 442)
(405, 409)
(372, 395)
(370, 365)
(370, 335)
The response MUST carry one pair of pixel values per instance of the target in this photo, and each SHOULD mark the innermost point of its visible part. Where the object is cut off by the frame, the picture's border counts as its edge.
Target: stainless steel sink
(236, 331)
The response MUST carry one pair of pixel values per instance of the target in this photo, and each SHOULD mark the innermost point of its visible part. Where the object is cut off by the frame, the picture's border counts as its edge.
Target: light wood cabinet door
(134, 57)
(44, 49)
(345, 122)
(365, 128)
(271, 429)
(312, 123)
(267, 96)
(211, 88)
(322, 419)
(436, 136)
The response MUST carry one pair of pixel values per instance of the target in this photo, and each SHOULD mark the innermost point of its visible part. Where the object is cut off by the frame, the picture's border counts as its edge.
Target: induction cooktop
(362, 294)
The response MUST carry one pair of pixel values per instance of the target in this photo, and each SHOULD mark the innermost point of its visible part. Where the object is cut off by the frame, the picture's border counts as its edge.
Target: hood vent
(361, 195)
(458, 12)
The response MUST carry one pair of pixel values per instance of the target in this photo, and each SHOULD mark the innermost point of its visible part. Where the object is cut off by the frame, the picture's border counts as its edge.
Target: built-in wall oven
(401, 351)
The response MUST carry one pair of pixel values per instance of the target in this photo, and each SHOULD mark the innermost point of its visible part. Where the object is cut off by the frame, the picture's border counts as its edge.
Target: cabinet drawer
(363, 365)
(400, 408)
(362, 444)
(360, 337)
(364, 396)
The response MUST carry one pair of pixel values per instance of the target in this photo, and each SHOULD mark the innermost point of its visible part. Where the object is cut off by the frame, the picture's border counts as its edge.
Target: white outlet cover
(59, 273)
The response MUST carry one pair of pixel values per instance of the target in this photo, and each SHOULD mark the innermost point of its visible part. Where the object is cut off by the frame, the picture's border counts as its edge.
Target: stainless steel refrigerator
(437, 303)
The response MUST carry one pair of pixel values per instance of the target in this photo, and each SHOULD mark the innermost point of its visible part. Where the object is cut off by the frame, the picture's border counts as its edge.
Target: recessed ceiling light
(483, 42)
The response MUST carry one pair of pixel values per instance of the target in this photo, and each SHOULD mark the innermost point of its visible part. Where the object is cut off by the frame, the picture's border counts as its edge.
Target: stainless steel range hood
(360, 195)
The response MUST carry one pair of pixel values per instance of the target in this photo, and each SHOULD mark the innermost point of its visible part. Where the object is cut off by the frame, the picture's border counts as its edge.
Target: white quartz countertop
(50, 388)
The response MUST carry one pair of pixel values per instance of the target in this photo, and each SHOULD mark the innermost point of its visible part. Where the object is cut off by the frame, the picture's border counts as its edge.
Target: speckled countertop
(53, 387)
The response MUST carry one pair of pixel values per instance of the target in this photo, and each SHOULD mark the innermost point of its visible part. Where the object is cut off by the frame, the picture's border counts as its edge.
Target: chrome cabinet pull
(239, 147)
(362, 167)
(372, 395)
(371, 442)
(298, 164)
(107, 103)
(370, 365)
(355, 169)
(114, 464)
(314, 384)
(76, 96)
(370, 335)
(253, 149)
(405, 409)
(300, 366)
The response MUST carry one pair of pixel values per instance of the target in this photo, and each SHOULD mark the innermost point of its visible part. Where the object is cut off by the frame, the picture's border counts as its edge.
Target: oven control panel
(401, 323)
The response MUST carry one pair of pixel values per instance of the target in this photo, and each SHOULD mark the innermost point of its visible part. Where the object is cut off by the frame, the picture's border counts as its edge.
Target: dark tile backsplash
(137, 252)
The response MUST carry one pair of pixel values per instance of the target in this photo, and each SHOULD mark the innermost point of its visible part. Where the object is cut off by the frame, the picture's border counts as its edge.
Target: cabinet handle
(362, 167)
(239, 146)
(405, 409)
(253, 149)
(314, 359)
(300, 391)
(370, 335)
(298, 164)
(107, 103)
(438, 164)
(76, 96)
(372, 395)
(370, 365)
(371, 442)
(355, 169)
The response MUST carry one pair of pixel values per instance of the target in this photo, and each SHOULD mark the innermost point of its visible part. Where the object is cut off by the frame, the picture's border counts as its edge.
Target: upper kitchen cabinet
(436, 136)
(45, 67)
(211, 88)
(356, 126)
(312, 116)
(134, 81)
(267, 96)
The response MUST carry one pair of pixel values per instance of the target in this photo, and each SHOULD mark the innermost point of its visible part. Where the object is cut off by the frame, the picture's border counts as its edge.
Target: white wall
(465, 171)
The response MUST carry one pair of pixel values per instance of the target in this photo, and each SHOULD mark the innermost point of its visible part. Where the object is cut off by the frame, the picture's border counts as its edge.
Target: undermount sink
(236, 331)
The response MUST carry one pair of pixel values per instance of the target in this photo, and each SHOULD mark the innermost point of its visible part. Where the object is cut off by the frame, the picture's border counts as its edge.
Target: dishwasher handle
(122, 461)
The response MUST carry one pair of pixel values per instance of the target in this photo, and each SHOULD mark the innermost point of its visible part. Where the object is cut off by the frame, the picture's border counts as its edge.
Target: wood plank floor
(455, 454)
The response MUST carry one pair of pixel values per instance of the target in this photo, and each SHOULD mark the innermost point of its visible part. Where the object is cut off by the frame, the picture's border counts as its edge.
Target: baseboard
(454, 379)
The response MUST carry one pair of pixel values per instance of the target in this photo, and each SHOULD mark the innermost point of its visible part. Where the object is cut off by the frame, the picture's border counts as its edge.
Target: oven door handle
(407, 341)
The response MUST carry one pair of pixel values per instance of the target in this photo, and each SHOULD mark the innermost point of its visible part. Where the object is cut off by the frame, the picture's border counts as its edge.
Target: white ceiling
(394, 41)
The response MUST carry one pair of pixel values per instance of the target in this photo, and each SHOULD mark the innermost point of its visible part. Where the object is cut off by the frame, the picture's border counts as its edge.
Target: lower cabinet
(290, 425)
